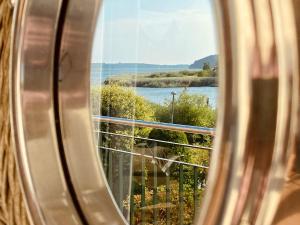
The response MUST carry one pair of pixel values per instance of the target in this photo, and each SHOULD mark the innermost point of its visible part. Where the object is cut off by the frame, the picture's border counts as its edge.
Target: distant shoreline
(165, 83)
(166, 80)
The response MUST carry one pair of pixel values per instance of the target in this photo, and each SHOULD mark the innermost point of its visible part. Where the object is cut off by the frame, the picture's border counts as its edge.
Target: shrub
(161, 207)
(188, 110)
(170, 150)
(117, 101)
(206, 66)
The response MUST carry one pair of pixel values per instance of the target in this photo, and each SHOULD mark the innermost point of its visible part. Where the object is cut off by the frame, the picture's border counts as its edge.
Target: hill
(198, 64)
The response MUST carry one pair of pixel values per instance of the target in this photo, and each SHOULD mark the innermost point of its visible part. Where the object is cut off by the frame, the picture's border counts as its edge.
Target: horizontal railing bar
(155, 140)
(156, 125)
(152, 157)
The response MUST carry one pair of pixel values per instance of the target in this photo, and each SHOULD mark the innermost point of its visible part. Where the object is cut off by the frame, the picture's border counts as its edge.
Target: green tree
(169, 150)
(189, 109)
(206, 66)
(117, 101)
(122, 102)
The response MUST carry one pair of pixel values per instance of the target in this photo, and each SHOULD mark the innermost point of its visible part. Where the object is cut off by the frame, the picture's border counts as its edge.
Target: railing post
(110, 169)
(132, 208)
(195, 189)
(155, 187)
(143, 197)
(121, 181)
(168, 202)
(105, 164)
(181, 218)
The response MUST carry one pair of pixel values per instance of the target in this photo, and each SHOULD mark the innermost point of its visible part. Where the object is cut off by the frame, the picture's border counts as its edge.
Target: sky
(154, 31)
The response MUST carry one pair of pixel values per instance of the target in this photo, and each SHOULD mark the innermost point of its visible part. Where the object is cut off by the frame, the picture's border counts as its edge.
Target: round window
(114, 111)
(154, 91)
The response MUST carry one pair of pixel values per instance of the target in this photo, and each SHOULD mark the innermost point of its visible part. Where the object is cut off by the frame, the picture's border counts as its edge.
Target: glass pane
(153, 94)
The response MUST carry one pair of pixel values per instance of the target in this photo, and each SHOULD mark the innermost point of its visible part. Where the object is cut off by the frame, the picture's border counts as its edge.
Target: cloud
(178, 36)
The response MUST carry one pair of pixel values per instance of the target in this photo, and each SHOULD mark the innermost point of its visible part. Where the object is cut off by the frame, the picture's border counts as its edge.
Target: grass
(194, 78)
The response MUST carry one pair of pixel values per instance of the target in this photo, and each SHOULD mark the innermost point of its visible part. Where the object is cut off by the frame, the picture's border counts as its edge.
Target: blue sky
(154, 31)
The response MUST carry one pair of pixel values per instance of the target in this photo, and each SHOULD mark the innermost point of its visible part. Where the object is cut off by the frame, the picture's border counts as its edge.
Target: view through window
(153, 94)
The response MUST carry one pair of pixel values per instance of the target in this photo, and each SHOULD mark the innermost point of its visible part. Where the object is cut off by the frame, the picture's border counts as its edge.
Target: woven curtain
(12, 210)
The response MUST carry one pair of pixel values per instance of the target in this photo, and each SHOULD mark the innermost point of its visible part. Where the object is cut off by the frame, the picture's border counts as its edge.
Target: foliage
(117, 101)
(206, 66)
(171, 150)
(185, 78)
(161, 206)
(199, 80)
(189, 109)
(204, 73)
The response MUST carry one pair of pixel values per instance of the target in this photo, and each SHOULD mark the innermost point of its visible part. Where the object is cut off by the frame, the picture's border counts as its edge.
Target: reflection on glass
(155, 66)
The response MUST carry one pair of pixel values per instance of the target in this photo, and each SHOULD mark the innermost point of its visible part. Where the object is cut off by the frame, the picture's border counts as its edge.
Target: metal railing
(156, 125)
(195, 170)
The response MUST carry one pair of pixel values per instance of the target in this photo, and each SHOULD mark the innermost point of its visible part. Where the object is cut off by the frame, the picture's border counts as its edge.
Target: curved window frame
(51, 117)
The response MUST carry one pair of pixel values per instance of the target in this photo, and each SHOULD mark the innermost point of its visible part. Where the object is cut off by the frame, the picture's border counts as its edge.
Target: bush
(161, 207)
(170, 150)
(164, 135)
(205, 73)
(206, 66)
(117, 101)
(188, 110)
(113, 100)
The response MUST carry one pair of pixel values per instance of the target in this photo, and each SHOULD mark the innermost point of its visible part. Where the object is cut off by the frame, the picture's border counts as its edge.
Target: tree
(206, 66)
(117, 101)
(113, 100)
(189, 109)
(170, 150)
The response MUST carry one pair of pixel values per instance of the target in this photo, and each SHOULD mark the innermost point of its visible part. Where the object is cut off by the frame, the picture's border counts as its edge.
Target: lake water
(159, 95)
(100, 72)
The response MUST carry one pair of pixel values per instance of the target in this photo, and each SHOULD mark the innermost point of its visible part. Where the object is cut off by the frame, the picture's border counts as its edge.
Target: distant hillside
(198, 64)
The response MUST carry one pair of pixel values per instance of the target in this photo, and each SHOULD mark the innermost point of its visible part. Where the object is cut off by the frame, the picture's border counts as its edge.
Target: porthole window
(115, 117)
(153, 94)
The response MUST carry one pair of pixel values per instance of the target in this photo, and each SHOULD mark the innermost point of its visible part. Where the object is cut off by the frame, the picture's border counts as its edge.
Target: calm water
(159, 95)
(100, 72)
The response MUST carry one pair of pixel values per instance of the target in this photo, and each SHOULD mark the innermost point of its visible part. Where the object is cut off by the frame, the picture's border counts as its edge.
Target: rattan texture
(12, 209)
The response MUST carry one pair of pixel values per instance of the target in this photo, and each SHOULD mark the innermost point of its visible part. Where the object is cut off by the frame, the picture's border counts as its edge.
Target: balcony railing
(162, 167)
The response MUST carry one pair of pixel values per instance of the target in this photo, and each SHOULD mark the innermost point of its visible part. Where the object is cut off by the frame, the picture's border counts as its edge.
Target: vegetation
(117, 101)
(186, 78)
(171, 150)
(206, 66)
(173, 207)
(188, 110)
